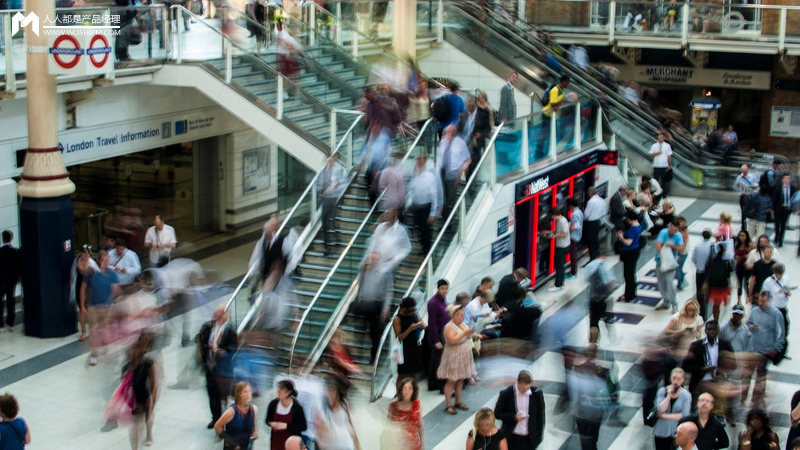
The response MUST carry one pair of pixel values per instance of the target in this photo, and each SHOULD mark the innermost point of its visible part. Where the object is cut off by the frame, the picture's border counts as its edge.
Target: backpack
(440, 110)
(546, 95)
(718, 271)
(750, 205)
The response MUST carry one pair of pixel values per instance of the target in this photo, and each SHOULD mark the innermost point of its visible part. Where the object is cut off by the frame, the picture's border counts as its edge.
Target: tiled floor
(63, 400)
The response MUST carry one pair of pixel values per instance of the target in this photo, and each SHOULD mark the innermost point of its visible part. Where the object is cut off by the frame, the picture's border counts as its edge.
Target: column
(46, 217)
(404, 40)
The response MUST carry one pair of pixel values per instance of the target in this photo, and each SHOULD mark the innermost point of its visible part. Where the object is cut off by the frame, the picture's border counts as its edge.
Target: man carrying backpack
(447, 108)
(552, 98)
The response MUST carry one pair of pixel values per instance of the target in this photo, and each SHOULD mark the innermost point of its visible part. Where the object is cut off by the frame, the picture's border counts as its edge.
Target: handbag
(120, 406)
(727, 247)
(397, 351)
(647, 222)
(668, 261)
(652, 417)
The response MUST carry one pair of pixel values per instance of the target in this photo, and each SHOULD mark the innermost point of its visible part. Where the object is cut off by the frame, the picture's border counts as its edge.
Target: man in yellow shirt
(555, 98)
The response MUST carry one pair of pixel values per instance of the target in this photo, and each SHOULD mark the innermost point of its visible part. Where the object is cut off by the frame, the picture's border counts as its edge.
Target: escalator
(495, 40)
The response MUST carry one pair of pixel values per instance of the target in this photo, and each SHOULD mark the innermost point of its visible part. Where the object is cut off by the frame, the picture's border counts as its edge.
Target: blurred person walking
(405, 429)
(161, 239)
(98, 291)
(484, 434)
(215, 342)
(237, 425)
(425, 197)
(10, 273)
(746, 183)
(522, 410)
(757, 209)
(453, 158)
(330, 186)
(447, 108)
(589, 394)
(15, 433)
(274, 252)
(285, 416)
(82, 263)
(374, 299)
(392, 180)
(144, 383)
(744, 245)
(334, 424)
(457, 363)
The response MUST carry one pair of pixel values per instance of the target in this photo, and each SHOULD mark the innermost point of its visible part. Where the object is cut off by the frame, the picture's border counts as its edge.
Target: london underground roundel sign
(99, 50)
(62, 50)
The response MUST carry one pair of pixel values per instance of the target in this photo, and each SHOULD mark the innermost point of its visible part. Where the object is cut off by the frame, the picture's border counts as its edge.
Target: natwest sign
(88, 52)
(537, 185)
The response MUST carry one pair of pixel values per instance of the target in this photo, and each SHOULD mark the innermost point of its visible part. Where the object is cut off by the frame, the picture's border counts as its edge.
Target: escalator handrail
(387, 53)
(629, 110)
(289, 83)
(593, 76)
(341, 258)
(354, 90)
(311, 185)
(429, 256)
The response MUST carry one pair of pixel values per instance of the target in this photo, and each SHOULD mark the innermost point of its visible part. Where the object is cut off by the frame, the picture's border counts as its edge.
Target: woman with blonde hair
(484, 434)
(457, 363)
(237, 425)
(725, 231)
(687, 321)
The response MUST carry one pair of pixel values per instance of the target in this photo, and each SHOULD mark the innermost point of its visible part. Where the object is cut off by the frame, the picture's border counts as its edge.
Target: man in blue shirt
(97, 296)
(668, 237)
(457, 107)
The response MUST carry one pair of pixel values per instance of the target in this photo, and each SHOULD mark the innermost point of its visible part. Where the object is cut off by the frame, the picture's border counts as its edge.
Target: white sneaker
(93, 361)
(555, 288)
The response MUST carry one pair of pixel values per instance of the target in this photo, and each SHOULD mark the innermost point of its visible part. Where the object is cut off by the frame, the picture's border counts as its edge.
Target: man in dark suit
(522, 322)
(216, 343)
(10, 270)
(782, 206)
(702, 361)
(617, 209)
(521, 408)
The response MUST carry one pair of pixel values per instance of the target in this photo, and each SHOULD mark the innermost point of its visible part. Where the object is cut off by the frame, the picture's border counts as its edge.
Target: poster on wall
(256, 170)
(785, 121)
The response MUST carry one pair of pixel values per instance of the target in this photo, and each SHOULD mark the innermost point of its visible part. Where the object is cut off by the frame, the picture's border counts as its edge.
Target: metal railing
(308, 197)
(339, 261)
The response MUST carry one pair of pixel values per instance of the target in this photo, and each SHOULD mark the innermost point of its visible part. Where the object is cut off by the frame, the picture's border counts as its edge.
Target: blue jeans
(681, 273)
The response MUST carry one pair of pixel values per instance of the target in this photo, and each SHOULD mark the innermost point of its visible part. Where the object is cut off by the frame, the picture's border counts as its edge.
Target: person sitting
(522, 321)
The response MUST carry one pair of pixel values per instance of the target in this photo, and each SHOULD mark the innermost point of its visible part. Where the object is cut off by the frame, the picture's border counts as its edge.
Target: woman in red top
(285, 416)
(405, 429)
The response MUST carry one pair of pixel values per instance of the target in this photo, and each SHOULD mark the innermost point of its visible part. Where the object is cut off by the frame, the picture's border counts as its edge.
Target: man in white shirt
(522, 410)
(561, 235)
(661, 152)
(391, 241)
(595, 210)
(479, 312)
(161, 239)
(125, 262)
(453, 158)
(425, 196)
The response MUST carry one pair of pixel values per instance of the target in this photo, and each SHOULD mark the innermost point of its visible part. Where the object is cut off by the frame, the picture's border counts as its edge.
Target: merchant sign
(691, 76)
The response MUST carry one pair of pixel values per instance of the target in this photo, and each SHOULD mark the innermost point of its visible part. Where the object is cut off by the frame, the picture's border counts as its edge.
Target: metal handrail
(387, 53)
(311, 185)
(341, 258)
(429, 256)
(336, 316)
(258, 61)
(247, 19)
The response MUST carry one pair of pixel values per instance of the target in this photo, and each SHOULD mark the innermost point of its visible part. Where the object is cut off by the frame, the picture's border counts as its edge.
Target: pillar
(46, 217)
(404, 39)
